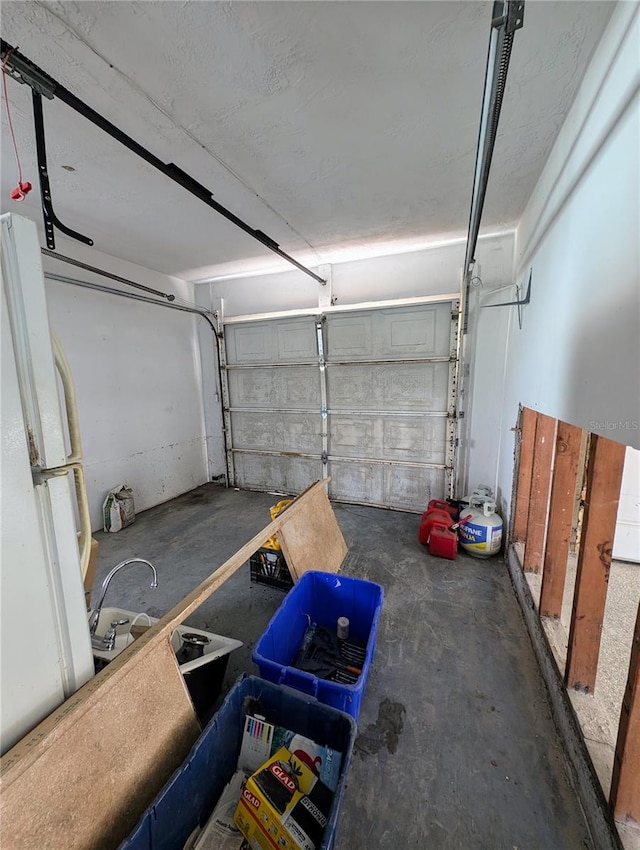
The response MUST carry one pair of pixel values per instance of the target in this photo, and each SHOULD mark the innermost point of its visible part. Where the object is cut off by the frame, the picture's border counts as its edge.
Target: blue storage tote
(320, 598)
(190, 795)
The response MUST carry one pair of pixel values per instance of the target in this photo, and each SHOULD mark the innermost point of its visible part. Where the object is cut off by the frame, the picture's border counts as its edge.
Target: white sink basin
(217, 647)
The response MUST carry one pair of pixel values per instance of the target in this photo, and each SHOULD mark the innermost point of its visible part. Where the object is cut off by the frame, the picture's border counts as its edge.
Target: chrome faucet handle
(109, 639)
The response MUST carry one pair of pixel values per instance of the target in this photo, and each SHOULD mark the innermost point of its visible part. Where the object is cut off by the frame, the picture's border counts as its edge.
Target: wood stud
(525, 468)
(604, 477)
(539, 498)
(625, 784)
(563, 489)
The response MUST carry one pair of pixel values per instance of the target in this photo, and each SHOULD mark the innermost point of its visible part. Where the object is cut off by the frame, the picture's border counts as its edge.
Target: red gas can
(443, 543)
(427, 521)
(439, 505)
(437, 511)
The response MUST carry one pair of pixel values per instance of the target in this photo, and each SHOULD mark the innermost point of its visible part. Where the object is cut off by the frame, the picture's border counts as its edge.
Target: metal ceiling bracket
(51, 220)
(519, 302)
(23, 70)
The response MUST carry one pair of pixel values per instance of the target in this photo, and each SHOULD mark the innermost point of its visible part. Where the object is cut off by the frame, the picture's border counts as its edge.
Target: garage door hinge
(325, 458)
(323, 411)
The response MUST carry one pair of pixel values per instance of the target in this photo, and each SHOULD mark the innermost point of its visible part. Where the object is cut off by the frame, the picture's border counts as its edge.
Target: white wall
(137, 373)
(577, 356)
(432, 270)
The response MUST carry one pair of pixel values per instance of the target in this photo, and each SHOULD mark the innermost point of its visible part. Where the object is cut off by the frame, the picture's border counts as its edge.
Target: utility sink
(217, 647)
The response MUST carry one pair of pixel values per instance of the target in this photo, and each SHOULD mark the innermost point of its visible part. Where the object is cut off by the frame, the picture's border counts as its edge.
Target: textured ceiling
(321, 123)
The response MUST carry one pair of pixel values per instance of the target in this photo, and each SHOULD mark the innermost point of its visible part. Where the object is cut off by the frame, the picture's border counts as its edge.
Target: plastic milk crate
(189, 797)
(320, 598)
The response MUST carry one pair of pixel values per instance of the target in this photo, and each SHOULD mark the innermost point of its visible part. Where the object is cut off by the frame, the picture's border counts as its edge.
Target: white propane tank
(481, 535)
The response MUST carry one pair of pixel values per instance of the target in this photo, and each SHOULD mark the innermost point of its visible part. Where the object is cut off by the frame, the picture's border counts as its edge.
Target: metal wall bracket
(325, 289)
(519, 302)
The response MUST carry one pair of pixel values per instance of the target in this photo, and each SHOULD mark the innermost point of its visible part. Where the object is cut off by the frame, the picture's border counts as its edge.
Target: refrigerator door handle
(84, 543)
(69, 392)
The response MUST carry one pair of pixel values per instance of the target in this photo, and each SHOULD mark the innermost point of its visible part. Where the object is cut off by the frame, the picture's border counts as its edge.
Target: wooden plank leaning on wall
(83, 777)
(604, 477)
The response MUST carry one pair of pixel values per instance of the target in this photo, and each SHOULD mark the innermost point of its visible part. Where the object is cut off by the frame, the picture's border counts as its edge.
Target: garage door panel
(281, 341)
(287, 474)
(350, 337)
(249, 344)
(278, 432)
(423, 331)
(253, 388)
(302, 433)
(411, 488)
(407, 488)
(257, 431)
(386, 386)
(297, 341)
(357, 482)
(416, 439)
(293, 386)
(350, 387)
(394, 386)
(301, 387)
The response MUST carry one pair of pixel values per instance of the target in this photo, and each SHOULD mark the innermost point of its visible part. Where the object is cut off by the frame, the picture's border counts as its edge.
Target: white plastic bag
(118, 508)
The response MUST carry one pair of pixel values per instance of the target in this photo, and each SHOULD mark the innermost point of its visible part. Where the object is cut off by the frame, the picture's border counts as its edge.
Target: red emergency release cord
(22, 188)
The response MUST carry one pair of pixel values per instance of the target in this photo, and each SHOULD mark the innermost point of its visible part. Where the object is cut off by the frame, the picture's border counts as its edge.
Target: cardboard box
(284, 806)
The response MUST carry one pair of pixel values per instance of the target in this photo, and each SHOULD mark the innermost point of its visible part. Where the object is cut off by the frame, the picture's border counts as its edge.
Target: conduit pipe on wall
(99, 287)
(89, 268)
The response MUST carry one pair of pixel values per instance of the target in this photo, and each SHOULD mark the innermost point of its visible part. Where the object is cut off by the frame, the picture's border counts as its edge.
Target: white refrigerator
(45, 649)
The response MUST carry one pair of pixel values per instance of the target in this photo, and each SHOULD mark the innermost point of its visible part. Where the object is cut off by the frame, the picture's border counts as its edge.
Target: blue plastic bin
(321, 598)
(192, 792)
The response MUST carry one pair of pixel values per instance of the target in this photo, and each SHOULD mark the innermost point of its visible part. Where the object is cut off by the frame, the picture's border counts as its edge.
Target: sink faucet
(93, 622)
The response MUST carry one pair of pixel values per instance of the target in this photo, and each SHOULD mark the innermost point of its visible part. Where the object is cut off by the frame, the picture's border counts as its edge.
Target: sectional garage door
(366, 397)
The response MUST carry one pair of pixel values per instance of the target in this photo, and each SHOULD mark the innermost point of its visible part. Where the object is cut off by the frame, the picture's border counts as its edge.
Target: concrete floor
(456, 746)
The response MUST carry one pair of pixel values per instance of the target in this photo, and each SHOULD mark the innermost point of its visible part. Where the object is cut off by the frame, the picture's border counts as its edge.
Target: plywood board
(82, 778)
(102, 761)
(312, 540)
